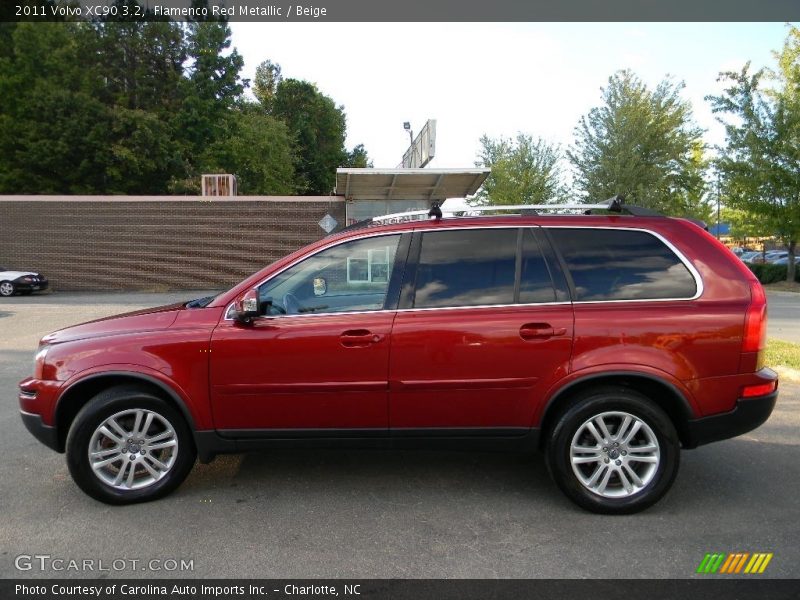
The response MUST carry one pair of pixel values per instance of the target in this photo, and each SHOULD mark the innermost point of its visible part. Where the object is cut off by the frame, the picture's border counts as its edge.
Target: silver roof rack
(612, 205)
(503, 208)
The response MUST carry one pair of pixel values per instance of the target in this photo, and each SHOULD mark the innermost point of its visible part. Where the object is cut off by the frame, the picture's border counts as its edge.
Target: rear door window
(483, 267)
(472, 267)
(622, 264)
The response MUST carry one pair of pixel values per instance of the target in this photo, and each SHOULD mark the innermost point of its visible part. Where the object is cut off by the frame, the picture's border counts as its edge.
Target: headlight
(38, 362)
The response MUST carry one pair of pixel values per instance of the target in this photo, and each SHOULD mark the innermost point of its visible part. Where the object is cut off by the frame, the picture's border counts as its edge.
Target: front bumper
(36, 286)
(36, 406)
(748, 414)
(44, 433)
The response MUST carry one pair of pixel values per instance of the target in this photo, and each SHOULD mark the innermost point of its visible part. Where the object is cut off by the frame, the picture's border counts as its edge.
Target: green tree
(524, 171)
(139, 67)
(357, 158)
(214, 70)
(75, 121)
(639, 143)
(318, 128)
(126, 107)
(258, 149)
(265, 84)
(760, 164)
(211, 88)
(745, 224)
(6, 32)
(137, 155)
(49, 117)
(694, 198)
(141, 64)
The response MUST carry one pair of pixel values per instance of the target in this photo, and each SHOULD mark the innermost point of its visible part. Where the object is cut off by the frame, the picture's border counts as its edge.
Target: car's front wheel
(127, 445)
(613, 451)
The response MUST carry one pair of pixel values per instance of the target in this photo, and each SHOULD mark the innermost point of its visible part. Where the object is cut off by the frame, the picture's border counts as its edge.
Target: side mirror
(245, 307)
(320, 286)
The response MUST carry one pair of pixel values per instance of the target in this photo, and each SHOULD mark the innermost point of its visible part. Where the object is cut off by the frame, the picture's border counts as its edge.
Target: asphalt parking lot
(783, 318)
(327, 514)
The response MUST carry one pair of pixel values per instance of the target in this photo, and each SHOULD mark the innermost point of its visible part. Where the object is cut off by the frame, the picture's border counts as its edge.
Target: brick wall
(155, 243)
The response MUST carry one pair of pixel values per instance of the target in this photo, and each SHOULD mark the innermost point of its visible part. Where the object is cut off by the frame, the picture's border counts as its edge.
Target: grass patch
(784, 357)
(782, 354)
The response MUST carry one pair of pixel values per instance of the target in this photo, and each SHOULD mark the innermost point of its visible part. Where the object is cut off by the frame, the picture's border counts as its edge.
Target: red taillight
(761, 389)
(755, 322)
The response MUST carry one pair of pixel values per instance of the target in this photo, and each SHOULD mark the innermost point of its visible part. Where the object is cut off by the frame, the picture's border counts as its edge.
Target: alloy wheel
(133, 449)
(614, 454)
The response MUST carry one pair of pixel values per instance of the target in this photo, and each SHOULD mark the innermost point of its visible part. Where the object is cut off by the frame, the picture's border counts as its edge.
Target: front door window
(350, 277)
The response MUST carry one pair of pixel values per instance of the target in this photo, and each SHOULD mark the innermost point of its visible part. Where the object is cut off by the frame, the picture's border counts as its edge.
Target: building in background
(373, 192)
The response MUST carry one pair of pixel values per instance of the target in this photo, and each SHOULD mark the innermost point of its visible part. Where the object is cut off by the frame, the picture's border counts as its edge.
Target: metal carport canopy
(408, 184)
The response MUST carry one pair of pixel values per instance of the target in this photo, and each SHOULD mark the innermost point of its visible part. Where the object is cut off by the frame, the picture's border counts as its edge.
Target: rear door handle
(540, 331)
(359, 338)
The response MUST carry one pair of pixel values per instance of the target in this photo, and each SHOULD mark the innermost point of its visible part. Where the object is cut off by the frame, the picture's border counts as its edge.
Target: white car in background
(749, 256)
(773, 257)
(23, 282)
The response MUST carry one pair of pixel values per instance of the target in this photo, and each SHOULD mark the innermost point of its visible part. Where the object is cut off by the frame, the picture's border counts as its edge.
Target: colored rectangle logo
(724, 563)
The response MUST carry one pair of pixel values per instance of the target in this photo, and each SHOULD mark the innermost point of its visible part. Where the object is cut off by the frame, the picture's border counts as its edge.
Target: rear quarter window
(622, 264)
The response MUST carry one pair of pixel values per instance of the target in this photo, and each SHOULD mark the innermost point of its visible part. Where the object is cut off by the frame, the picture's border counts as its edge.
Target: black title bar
(405, 10)
(711, 588)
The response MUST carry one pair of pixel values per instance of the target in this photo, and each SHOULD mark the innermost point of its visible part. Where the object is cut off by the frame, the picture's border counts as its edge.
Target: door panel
(458, 363)
(319, 357)
(306, 372)
(472, 368)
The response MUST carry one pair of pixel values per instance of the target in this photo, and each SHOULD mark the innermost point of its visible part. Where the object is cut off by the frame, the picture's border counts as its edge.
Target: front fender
(198, 417)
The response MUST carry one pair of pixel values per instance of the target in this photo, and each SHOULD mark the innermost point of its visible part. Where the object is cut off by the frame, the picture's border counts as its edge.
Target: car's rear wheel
(613, 451)
(7, 289)
(127, 445)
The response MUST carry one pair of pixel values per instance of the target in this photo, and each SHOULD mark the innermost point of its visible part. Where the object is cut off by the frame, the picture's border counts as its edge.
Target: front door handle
(540, 331)
(359, 338)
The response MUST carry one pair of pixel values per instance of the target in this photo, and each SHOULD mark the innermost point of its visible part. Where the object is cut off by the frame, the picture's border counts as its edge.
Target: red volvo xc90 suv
(610, 341)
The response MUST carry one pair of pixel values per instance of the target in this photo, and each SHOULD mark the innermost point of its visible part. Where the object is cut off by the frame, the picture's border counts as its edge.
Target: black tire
(611, 400)
(109, 403)
(7, 289)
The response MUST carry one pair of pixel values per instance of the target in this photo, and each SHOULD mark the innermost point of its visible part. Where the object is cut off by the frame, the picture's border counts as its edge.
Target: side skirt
(507, 439)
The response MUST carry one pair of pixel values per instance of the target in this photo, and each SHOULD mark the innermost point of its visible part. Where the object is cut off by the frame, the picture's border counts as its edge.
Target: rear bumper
(44, 433)
(748, 414)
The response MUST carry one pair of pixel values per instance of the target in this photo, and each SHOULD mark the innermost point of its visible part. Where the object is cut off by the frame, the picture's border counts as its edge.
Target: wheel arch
(80, 392)
(663, 393)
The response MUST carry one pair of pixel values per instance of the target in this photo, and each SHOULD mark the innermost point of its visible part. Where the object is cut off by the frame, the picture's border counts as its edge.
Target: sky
(495, 79)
